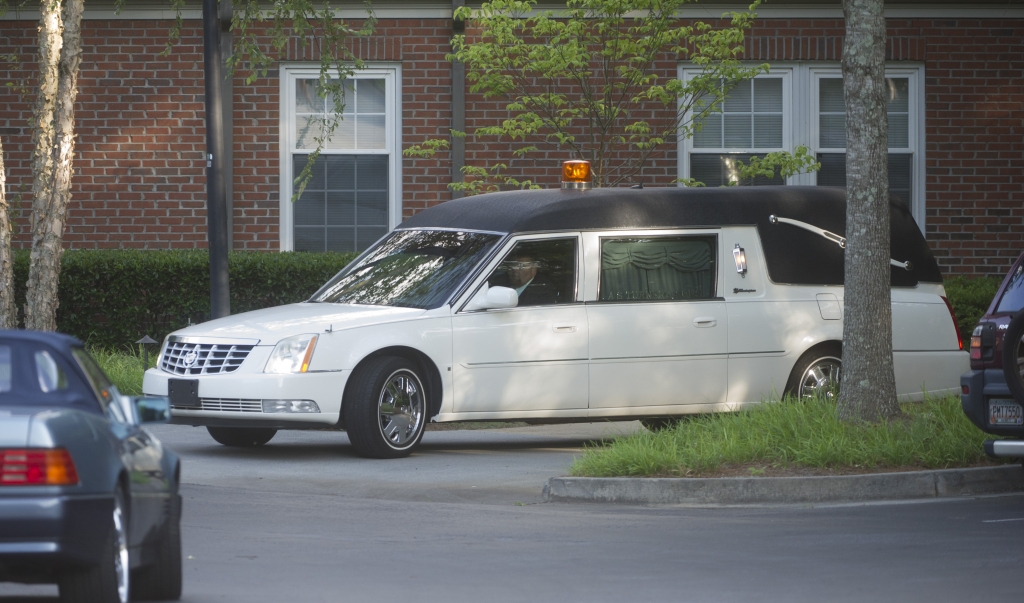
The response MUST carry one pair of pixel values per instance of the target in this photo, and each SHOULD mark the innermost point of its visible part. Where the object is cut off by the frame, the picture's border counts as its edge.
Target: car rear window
(1013, 297)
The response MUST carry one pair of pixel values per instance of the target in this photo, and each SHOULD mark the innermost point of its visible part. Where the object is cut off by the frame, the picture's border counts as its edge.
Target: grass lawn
(794, 438)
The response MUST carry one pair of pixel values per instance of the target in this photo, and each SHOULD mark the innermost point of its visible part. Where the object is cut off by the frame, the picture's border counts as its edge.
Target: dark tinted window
(410, 268)
(5, 368)
(662, 268)
(1013, 297)
(543, 273)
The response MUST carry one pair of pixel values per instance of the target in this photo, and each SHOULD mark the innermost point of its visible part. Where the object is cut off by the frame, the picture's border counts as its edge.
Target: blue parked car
(88, 498)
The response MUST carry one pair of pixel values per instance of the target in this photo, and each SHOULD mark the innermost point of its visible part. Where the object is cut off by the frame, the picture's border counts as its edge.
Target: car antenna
(329, 329)
(641, 185)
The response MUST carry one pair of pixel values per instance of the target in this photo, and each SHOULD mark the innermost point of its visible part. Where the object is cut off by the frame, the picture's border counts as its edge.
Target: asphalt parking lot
(303, 520)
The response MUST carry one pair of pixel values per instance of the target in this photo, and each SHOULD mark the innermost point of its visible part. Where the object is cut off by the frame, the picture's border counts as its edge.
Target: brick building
(956, 114)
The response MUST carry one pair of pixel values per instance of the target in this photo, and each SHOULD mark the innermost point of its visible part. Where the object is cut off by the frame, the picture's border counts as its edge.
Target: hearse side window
(1013, 297)
(658, 268)
(543, 272)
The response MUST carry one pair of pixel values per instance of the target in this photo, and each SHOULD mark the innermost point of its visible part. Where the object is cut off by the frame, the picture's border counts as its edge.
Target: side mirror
(152, 409)
(493, 298)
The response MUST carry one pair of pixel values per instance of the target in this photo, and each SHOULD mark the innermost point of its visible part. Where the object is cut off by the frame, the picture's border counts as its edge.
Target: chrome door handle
(565, 329)
(703, 322)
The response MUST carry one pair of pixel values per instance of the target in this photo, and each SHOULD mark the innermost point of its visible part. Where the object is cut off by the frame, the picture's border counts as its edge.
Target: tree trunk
(8, 313)
(52, 196)
(868, 390)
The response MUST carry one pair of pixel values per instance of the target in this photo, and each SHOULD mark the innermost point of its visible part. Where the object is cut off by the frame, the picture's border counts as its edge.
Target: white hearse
(562, 305)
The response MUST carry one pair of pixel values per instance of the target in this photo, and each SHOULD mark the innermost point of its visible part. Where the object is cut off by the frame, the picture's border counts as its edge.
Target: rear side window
(5, 368)
(1013, 297)
(658, 268)
(49, 374)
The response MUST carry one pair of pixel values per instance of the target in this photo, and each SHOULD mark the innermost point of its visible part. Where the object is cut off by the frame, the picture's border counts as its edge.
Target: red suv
(993, 390)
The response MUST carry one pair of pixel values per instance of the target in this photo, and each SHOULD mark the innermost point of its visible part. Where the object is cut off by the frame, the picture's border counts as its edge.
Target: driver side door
(532, 357)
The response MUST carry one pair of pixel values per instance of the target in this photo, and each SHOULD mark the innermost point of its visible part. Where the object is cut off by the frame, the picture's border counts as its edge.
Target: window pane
(341, 208)
(356, 194)
(344, 135)
(307, 128)
(737, 132)
(316, 180)
(767, 131)
(833, 169)
(341, 239)
(898, 98)
(370, 132)
(543, 273)
(900, 181)
(900, 167)
(738, 99)
(5, 368)
(768, 95)
(899, 131)
(309, 209)
(830, 96)
(669, 268)
(720, 170)
(306, 99)
(370, 96)
(710, 135)
(832, 131)
(51, 377)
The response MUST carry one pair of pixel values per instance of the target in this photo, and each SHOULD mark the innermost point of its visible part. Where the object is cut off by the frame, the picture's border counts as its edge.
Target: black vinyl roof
(793, 255)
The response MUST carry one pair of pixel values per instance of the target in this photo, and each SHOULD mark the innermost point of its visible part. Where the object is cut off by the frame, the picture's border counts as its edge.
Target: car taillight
(976, 343)
(959, 338)
(37, 467)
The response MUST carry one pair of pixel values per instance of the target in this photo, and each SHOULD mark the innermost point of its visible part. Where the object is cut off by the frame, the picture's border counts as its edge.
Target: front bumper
(985, 385)
(43, 534)
(238, 398)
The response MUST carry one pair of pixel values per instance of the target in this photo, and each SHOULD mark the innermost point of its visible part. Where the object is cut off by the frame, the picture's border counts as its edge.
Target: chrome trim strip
(211, 340)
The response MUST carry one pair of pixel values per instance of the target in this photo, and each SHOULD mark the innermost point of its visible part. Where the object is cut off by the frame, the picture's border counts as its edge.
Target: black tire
(660, 423)
(1013, 356)
(99, 583)
(822, 356)
(161, 581)
(367, 398)
(241, 437)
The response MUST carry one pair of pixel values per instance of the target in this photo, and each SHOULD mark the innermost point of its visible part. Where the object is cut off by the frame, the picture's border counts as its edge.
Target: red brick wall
(139, 169)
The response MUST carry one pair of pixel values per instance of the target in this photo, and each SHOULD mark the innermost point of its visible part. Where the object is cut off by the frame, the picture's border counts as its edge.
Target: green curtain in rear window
(676, 268)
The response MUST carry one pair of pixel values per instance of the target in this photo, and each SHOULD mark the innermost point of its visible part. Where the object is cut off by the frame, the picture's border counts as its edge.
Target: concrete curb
(911, 485)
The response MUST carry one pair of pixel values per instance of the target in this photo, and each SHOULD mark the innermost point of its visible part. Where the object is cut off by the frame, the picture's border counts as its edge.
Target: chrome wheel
(121, 566)
(821, 378)
(400, 409)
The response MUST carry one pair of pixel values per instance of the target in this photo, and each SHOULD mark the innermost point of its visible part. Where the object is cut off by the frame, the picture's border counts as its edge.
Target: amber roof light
(576, 174)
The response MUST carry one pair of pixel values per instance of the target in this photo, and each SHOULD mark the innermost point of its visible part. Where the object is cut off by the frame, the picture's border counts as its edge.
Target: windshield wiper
(831, 236)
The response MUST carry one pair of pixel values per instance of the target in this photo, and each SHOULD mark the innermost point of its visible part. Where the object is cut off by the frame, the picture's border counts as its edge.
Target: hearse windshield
(410, 269)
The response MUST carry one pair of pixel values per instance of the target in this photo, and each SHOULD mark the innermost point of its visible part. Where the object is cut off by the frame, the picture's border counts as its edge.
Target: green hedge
(970, 298)
(111, 298)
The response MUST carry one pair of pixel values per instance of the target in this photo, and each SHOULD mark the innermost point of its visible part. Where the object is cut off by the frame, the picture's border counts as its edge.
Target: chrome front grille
(226, 405)
(183, 358)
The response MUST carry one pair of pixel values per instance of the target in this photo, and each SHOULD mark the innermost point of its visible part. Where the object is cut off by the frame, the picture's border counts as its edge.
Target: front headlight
(292, 355)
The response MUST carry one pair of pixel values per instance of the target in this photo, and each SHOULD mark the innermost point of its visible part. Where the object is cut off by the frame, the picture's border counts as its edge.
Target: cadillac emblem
(190, 358)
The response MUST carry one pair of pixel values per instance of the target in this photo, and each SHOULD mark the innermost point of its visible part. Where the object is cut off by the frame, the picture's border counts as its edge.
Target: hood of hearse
(271, 325)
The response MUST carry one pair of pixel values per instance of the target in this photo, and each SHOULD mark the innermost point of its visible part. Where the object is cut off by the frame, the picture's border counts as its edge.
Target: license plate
(1005, 412)
(184, 393)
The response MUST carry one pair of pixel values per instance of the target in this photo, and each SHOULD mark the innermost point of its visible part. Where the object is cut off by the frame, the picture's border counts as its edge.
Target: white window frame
(800, 120)
(787, 121)
(391, 73)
